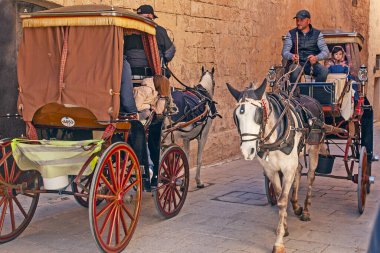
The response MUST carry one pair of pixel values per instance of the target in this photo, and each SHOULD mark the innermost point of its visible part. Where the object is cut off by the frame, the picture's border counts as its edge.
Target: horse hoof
(200, 186)
(278, 249)
(305, 217)
(298, 211)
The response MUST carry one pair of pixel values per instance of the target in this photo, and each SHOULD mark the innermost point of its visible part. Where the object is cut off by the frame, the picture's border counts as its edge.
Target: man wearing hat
(306, 45)
(134, 50)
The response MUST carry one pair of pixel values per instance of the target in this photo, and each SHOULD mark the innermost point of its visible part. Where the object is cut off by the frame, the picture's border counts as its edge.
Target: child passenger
(338, 64)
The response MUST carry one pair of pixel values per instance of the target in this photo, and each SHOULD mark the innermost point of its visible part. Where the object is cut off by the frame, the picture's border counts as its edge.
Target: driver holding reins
(306, 46)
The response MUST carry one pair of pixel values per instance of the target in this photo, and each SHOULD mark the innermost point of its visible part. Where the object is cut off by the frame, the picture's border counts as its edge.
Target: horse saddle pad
(188, 104)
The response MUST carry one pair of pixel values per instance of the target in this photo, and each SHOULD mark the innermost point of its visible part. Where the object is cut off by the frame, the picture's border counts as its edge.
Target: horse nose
(252, 151)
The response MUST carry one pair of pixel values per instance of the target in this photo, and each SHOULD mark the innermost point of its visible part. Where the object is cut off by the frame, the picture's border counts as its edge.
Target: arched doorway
(10, 36)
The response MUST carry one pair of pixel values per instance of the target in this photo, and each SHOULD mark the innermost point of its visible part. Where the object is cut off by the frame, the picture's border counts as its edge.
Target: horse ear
(212, 70)
(260, 91)
(203, 69)
(234, 92)
(250, 85)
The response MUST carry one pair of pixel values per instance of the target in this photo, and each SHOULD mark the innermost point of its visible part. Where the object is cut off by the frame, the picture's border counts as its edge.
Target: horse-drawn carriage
(345, 105)
(69, 69)
(276, 126)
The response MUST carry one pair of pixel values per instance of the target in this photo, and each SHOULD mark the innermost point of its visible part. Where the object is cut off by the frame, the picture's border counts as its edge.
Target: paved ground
(231, 215)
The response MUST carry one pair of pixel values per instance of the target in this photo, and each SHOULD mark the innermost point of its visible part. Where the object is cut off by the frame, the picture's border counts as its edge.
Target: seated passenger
(127, 101)
(338, 64)
(145, 97)
(134, 49)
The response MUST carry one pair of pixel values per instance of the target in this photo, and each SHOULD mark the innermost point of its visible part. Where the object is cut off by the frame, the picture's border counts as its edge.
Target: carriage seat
(66, 116)
(339, 81)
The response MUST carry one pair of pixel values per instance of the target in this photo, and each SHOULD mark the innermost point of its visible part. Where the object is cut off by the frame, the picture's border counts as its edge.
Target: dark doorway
(10, 35)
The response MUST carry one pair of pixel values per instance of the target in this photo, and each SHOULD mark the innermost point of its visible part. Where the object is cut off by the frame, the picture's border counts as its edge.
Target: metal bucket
(325, 164)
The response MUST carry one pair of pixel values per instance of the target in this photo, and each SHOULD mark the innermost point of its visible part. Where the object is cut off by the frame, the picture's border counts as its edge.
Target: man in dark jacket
(134, 50)
(306, 45)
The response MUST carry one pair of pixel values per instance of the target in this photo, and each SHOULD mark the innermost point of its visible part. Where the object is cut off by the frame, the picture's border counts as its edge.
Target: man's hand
(295, 58)
(312, 59)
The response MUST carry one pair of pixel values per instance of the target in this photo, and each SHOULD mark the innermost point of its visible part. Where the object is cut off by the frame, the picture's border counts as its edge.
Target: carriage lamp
(271, 76)
(363, 74)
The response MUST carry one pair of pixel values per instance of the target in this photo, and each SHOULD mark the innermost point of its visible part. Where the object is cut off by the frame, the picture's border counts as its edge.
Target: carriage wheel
(362, 182)
(86, 181)
(16, 208)
(172, 182)
(113, 221)
(270, 191)
(369, 172)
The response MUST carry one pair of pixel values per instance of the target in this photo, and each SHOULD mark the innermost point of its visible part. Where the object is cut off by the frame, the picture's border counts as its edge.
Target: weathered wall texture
(374, 49)
(241, 38)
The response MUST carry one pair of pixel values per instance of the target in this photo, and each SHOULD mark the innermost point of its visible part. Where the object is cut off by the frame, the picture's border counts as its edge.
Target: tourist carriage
(69, 71)
(343, 110)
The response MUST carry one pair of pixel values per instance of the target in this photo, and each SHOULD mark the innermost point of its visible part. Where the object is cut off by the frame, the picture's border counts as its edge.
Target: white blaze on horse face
(245, 114)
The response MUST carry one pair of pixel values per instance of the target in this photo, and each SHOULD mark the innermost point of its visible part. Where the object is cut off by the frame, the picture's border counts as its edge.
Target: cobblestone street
(230, 215)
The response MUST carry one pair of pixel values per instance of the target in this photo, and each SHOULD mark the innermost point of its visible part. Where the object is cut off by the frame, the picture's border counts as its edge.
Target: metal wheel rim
(13, 216)
(270, 192)
(172, 182)
(83, 201)
(114, 209)
(362, 171)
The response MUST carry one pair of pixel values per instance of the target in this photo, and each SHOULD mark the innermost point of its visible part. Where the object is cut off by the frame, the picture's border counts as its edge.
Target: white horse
(254, 115)
(198, 131)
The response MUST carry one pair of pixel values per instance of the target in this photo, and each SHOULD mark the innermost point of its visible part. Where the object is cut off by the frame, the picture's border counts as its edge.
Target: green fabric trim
(53, 158)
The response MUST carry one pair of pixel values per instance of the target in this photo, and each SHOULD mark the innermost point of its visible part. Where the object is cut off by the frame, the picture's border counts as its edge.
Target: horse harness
(285, 125)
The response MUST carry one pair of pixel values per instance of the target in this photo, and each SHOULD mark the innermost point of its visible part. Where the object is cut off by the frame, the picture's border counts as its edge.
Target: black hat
(302, 14)
(146, 9)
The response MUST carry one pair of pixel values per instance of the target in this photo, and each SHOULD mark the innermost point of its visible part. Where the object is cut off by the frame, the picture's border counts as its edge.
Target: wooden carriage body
(69, 70)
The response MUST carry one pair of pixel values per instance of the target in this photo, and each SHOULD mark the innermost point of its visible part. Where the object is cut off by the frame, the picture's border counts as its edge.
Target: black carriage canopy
(73, 56)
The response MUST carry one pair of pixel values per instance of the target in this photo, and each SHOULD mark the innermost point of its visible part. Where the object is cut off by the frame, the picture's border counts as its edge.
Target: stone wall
(374, 49)
(241, 39)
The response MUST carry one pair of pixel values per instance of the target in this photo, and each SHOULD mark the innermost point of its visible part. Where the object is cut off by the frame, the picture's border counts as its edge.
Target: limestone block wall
(374, 49)
(241, 39)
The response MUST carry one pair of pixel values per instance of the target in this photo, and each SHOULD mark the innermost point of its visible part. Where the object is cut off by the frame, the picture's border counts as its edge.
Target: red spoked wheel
(117, 180)
(362, 179)
(86, 182)
(270, 192)
(17, 200)
(172, 182)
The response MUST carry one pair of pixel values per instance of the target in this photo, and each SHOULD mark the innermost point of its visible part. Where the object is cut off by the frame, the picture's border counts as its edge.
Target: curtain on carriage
(74, 65)
(353, 57)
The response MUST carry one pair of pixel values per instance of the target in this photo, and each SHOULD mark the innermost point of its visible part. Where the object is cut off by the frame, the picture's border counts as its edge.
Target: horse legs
(282, 203)
(296, 183)
(201, 144)
(313, 162)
